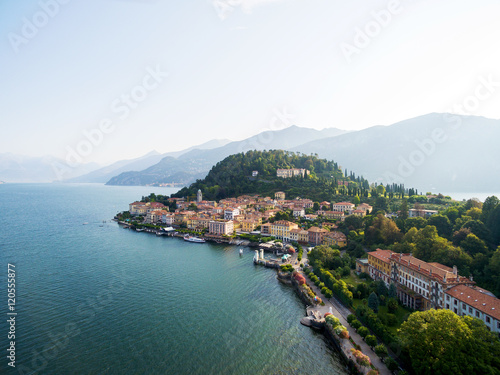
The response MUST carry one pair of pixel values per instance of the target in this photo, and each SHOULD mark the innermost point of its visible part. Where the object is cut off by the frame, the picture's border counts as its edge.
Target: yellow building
(279, 195)
(335, 239)
(379, 265)
(281, 229)
(331, 215)
(249, 225)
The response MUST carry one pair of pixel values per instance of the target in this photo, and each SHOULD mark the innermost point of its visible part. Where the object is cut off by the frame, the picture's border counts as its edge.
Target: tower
(199, 196)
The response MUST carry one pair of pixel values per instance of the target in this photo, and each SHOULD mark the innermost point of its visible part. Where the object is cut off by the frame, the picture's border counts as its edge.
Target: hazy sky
(165, 75)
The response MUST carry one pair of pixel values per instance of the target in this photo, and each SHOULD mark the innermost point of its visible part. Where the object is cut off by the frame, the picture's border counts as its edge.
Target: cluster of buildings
(421, 285)
(248, 212)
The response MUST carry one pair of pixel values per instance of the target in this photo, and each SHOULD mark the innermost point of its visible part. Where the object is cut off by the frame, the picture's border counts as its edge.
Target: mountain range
(196, 163)
(433, 152)
(28, 169)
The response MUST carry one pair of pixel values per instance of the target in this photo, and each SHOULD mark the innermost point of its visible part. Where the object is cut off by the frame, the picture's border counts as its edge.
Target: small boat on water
(241, 252)
(193, 239)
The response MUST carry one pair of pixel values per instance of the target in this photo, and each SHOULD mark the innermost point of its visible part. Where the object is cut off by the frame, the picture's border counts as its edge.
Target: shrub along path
(336, 308)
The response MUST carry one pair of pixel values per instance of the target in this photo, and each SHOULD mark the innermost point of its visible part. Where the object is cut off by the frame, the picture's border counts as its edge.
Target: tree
(473, 245)
(479, 229)
(381, 288)
(316, 206)
(392, 305)
(460, 235)
(373, 302)
(355, 324)
(371, 340)
(356, 200)
(440, 342)
(403, 212)
(489, 205)
(353, 221)
(442, 224)
(363, 331)
(474, 213)
(473, 202)
(381, 204)
(383, 231)
(393, 292)
(381, 350)
(415, 222)
(392, 365)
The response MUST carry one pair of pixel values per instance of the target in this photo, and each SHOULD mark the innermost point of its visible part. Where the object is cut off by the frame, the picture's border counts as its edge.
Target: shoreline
(312, 313)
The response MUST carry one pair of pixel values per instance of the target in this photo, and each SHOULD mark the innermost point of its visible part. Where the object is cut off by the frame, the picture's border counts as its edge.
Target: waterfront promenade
(341, 312)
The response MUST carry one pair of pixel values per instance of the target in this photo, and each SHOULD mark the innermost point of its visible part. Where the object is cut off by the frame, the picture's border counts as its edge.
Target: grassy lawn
(401, 315)
(352, 279)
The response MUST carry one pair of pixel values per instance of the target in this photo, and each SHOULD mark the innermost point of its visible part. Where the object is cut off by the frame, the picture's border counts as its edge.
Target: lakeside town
(383, 275)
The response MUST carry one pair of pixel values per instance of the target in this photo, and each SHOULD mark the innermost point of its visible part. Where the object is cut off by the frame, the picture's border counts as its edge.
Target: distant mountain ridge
(196, 163)
(104, 174)
(433, 152)
(437, 151)
(28, 169)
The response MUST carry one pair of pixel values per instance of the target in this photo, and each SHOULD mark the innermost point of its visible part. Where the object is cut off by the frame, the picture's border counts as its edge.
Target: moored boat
(193, 239)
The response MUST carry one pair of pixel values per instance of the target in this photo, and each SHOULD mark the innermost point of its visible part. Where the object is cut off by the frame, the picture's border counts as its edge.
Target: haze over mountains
(431, 152)
(441, 152)
(27, 169)
(434, 152)
(196, 163)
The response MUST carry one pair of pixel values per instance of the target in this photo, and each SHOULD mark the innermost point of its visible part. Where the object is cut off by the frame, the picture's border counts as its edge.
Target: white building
(199, 196)
(343, 206)
(167, 218)
(230, 213)
(476, 302)
(221, 227)
(412, 212)
(298, 212)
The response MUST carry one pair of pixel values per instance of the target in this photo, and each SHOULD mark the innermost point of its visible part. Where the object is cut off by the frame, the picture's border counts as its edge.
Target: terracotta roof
(383, 255)
(344, 203)
(284, 222)
(317, 230)
(336, 235)
(442, 266)
(476, 298)
(434, 270)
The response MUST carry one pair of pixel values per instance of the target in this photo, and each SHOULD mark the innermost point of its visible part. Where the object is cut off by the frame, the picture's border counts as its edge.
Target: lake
(100, 299)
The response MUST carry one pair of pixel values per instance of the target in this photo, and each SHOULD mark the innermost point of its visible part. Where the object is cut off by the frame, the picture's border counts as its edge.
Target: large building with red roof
(422, 285)
(476, 302)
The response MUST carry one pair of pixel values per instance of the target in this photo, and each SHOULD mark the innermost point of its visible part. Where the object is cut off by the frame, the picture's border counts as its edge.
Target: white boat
(241, 251)
(193, 239)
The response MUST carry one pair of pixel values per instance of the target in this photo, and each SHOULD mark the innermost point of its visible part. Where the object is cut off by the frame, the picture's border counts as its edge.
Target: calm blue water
(99, 299)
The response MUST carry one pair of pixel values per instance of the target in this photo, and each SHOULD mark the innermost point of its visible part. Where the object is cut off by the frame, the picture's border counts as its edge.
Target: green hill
(233, 176)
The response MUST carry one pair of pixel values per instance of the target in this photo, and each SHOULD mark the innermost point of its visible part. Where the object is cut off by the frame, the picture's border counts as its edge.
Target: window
(455, 310)
(477, 314)
(463, 306)
(455, 302)
(448, 306)
(470, 310)
(447, 298)
(488, 319)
